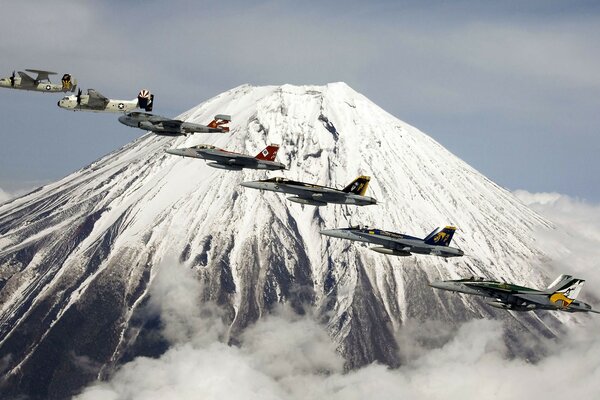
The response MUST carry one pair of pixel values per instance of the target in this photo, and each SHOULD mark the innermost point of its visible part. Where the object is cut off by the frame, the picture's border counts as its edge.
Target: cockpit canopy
(277, 180)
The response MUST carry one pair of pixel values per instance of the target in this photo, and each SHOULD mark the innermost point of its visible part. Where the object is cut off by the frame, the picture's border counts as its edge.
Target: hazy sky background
(513, 88)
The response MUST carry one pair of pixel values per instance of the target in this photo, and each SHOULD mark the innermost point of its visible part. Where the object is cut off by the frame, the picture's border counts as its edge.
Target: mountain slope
(77, 256)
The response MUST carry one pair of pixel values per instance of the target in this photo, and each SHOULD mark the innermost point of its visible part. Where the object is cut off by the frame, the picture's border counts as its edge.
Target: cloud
(292, 357)
(574, 246)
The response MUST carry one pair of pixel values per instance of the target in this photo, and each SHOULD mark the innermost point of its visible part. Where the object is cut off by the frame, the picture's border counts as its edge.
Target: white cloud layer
(285, 356)
(575, 243)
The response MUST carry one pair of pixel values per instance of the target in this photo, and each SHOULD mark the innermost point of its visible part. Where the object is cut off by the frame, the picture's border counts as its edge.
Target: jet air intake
(390, 252)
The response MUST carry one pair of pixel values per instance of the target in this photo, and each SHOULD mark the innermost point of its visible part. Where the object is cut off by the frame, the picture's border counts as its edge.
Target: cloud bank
(286, 356)
(575, 243)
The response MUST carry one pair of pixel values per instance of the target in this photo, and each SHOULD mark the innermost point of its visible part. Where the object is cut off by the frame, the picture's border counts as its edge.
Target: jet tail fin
(145, 100)
(440, 237)
(269, 153)
(69, 84)
(358, 186)
(567, 286)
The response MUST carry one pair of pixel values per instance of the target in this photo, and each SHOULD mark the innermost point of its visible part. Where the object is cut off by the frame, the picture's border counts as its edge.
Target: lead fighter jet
(173, 127)
(224, 159)
(560, 295)
(41, 83)
(396, 244)
(95, 102)
(315, 195)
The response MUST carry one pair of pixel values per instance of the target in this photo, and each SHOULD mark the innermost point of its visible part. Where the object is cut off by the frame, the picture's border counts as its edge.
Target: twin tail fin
(440, 236)
(358, 186)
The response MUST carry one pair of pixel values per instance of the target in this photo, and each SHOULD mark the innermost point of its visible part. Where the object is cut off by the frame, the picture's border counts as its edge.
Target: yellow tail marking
(440, 237)
(562, 300)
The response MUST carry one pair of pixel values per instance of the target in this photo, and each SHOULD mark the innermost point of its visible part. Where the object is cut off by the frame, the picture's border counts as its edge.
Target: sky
(291, 357)
(511, 87)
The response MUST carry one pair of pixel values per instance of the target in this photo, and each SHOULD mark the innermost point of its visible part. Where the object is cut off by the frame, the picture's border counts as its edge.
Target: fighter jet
(396, 244)
(95, 102)
(224, 159)
(560, 295)
(173, 127)
(41, 83)
(315, 195)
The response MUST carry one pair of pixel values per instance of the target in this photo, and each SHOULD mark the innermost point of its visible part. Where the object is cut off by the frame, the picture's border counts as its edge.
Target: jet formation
(437, 243)
(560, 295)
(41, 83)
(229, 160)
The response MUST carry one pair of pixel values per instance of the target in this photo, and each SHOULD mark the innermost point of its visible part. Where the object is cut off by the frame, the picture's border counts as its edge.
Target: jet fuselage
(393, 243)
(226, 160)
(113, 106)
(311, 194)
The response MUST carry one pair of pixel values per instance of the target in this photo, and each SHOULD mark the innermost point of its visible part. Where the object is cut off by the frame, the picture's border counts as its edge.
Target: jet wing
(169, 123)
(41, 75)
(389, 242)
(26, 78)
(497, 289)
(226, 157)
(96, 99)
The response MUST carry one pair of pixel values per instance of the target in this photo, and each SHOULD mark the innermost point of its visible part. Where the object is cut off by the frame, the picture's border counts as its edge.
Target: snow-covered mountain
(77, 256)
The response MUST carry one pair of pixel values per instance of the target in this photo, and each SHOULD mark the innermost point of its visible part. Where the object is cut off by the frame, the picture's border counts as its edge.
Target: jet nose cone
(252, 185)
(176, 152)
(123, 119)
(440, 285)
(333, 233)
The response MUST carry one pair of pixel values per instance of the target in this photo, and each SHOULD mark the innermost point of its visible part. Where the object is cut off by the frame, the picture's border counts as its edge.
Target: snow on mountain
(77, 256)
